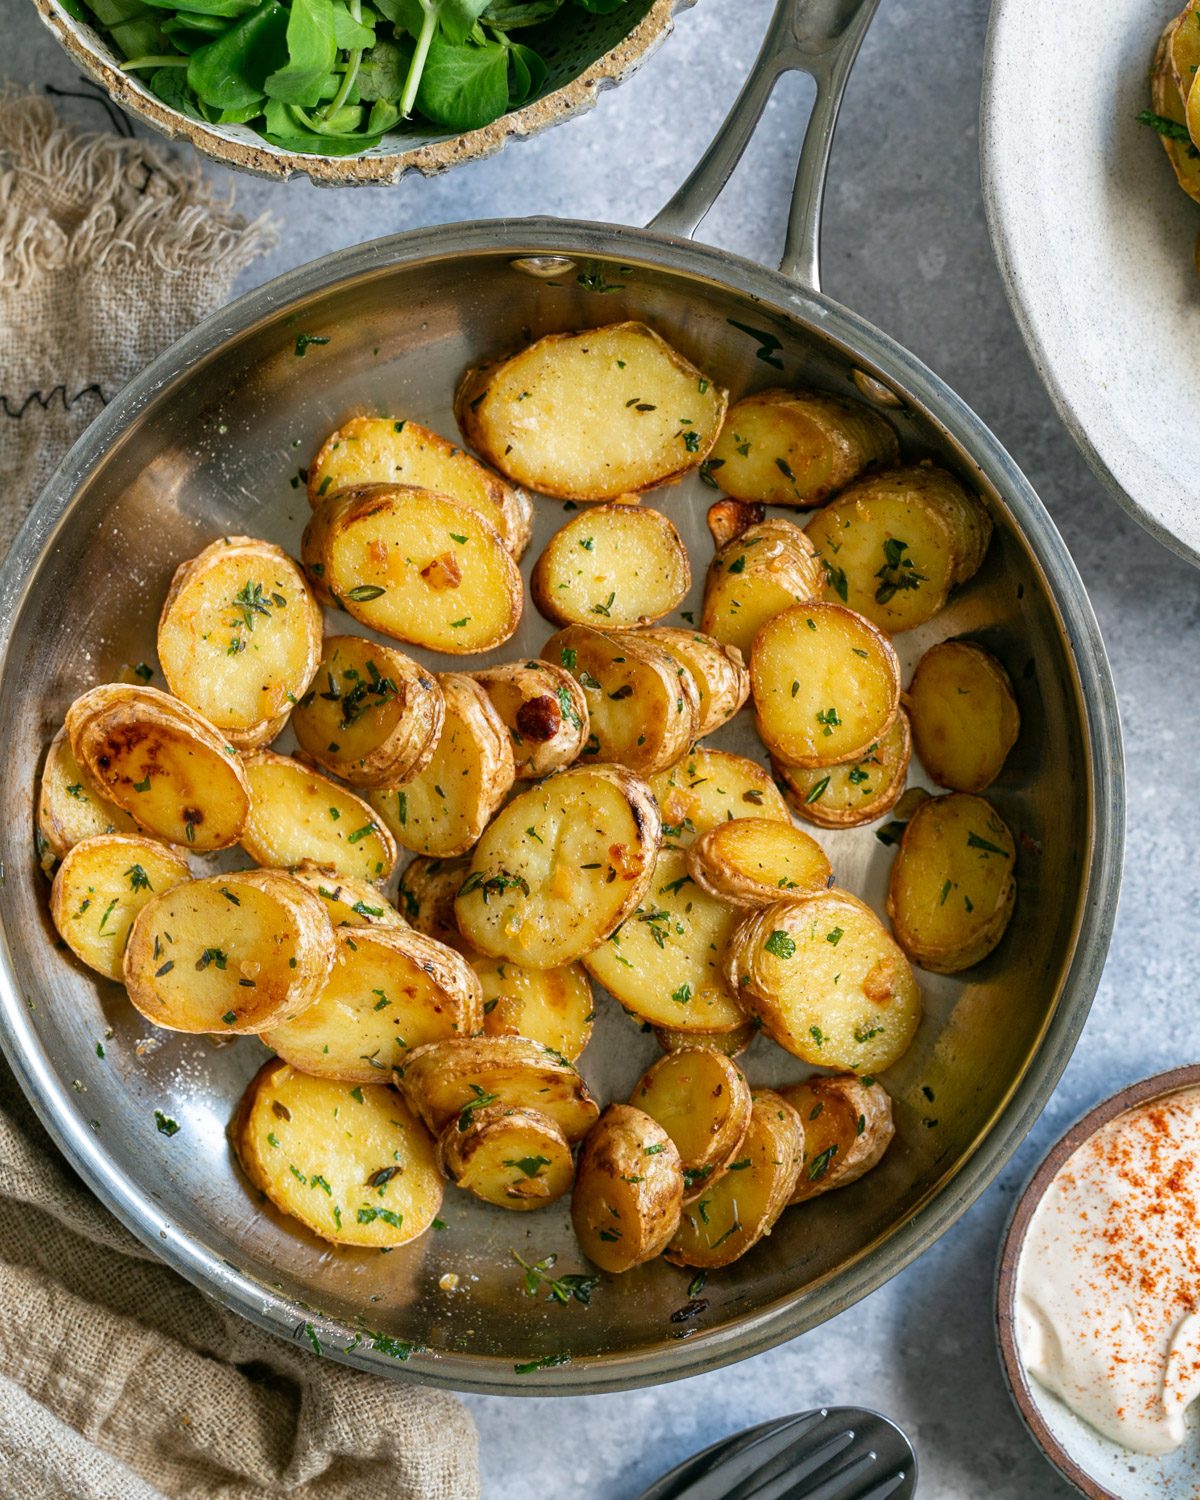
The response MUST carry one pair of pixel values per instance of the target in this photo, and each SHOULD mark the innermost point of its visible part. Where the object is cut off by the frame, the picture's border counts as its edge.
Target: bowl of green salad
(356, 91)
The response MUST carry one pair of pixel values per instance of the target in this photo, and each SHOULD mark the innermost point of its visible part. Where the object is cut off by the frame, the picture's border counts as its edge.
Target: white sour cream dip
(1108, 1284)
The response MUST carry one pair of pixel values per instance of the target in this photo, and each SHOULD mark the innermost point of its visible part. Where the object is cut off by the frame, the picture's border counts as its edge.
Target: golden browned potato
(826, 981)
(721, 676)
(1170, 100)
(561, 867)
(231, 954)
(708, 787)
(373, 716)
(162, 763)
(826, 685)
(349, 1161)
(857, 792)
(70, 807)
(427, 891)
(545, 712)
(727, 519)
(785, 447)
(386, 450)
(512, 1158)
(443, 811)
(592, 415)
(953, 885)
(551, 1006)
(614, 566)
(1182, 37)
(628, 1190)
(965, 718)
(350, 902)
(101, 885)
(239, 637)
(754, 577)
(847, 1128)
(702, 1100)
(734, 1213)
(414, 565)
(728, 1043)
(753, 861)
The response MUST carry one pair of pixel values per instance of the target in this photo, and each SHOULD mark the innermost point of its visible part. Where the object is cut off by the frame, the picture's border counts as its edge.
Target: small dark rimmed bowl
(1091, 1463)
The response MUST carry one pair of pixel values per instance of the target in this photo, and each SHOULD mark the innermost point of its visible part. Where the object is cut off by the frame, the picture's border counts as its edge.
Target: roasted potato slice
(643, 707)
(847, 1128)
(450, 1081)
(721, 676)
(385, 450)
(545, 712)
(230, 954)
(239, 637)
(616, 565)
(373, 716)
(1183, 48)
(70, 807)
(349, 1161)
(760, 572)
(732, 1214)
(592, 415)
(663, 963)
(753, 861)
(709, 787)
(427, 891)
(785, 447)
(349, 902)
(728, 1043)
(628, 1190)
(161, 762)
(513, 1158)
(702, 1100)
(390, 991)
(826, 685)
(101, 885)
(552, 1006)
(1169, 100)
(414, 565)
(561, 867)
(826, 981)
(965, 718)
(296, 814)
(443, 811)
(953, 885)
(856, 792)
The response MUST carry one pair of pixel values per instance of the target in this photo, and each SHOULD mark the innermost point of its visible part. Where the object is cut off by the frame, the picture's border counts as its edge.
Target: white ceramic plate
(1095, 240)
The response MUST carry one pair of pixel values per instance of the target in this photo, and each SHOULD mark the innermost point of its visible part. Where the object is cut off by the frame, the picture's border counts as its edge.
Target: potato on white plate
(628, 1190)
(847, 1127)
(350, 902)
(708, 787)
(964, 714)
(754, 861)
(721, 676)
(163, 763)
(512, 1158)
(230, 954)
(552, 1006)
(545, 712)
(239, 637)
(755, 576)
(101, 885)
(348, 1160)
(614, 566)
(1169, 96)
(70, 807)
(702, 1100)
(427, 891)
(856, 792)
(728, 1043)
(592, 415)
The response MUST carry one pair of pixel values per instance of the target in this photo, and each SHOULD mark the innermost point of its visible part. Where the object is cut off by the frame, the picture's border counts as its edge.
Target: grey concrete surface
(906, 245)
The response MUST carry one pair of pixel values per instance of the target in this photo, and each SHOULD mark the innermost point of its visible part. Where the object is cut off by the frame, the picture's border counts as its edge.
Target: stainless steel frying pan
(205, 442)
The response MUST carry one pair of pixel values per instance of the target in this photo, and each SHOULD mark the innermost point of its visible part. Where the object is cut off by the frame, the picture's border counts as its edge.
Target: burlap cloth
(119, 1381)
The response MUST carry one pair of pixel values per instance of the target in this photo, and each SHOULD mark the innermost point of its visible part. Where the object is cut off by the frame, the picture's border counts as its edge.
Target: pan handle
(817, 37)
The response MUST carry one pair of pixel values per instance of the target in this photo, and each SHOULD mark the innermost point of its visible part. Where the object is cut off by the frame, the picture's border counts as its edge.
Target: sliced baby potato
(296, 814)
(857, 791)
(826, 981)
(385, 450)
(348, 901)
(390, 991)
(239, 637)
(70, 807)
(642, 706)
(663, 964)
(161, 762)
(443, 811)
(560, 867)
(101, 885)
(721, 676)
(965, 718)
(1170, 100)
(628, 1190)
(732, 1214)
(451, 1081)
(427, 891)
(372, 716)
(414, 565)
(708, 787)
(545, 712)
(762, 571)
(592, 415)
(612, 565)
(552, 1006)
(847, 1128)
(753, 861)
(1183, 48)
(953, 885)
(230, 954)
(512, 1158)
(785, 447)
(728, 1043)
(349, 1161)
(702, 1100)
(826, 685)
